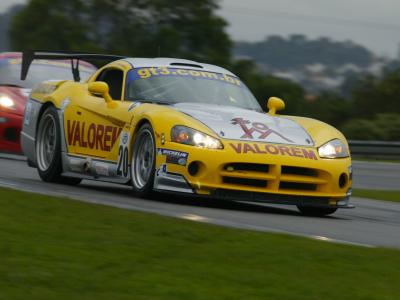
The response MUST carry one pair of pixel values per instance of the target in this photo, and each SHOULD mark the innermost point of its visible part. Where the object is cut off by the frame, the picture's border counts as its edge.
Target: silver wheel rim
(46, 142)
(143, 159)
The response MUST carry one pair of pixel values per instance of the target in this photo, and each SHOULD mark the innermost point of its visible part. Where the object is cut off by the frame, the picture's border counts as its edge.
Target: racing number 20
(122, 169)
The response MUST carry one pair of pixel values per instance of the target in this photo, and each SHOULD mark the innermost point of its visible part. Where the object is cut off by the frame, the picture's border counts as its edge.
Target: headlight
(333, 149)
(7, 102)
(189, 136)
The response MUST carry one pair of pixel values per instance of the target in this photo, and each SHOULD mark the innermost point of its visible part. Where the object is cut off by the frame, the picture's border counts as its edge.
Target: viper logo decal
(256, 127)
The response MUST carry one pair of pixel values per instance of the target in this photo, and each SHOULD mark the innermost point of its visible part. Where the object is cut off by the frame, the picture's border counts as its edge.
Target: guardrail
(376, 149)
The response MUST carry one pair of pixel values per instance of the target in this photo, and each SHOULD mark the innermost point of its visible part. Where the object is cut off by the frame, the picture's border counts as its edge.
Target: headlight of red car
(6, 102)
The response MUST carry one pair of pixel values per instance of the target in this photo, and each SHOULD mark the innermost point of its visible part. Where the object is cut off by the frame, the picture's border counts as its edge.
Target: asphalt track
(370, 224)
(376, 175)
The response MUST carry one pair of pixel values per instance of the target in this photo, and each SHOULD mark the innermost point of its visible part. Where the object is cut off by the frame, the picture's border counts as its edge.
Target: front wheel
(143, 161)
(316, 211)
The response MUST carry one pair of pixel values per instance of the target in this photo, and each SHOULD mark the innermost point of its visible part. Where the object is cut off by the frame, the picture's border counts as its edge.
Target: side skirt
(92, 169)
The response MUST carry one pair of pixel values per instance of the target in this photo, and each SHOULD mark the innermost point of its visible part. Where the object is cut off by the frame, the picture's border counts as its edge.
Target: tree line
(193, 30)
(276, 52)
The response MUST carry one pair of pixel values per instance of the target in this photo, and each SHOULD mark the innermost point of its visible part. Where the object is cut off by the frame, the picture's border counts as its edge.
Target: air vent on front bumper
(270, 178)
(247, 167)
(299, 171)
(244, 181)
(297, 186)
(246, 174)
(11, 134)
(298, 178)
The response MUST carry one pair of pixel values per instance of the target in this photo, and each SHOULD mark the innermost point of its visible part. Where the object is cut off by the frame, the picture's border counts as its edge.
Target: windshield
(10, 72)
(170, 85)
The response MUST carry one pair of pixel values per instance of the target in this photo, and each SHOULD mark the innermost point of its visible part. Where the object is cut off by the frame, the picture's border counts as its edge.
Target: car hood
(241, 124)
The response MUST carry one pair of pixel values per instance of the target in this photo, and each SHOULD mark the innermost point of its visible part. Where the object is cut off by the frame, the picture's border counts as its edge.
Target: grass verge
(53, 248)
(377, 194)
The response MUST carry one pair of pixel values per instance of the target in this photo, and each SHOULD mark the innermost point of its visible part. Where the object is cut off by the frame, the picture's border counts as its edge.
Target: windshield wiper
(154, 101)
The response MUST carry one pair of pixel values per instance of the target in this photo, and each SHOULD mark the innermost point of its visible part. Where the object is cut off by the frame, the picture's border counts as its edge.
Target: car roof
(8, 55)
(175, 63)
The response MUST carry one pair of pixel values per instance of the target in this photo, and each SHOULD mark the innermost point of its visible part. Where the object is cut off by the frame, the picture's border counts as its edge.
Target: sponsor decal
(145, 73)
(91, 135)
(123, 158)
(173, 156)
(65, 103)
(124, 138)
(244, 148)
(182, 161)
(256, 129)
(102, 169)
(28, 113)
(162, 138)
(162, 170)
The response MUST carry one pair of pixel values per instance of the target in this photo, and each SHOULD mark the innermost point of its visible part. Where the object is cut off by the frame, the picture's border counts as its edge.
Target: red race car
(15, 92)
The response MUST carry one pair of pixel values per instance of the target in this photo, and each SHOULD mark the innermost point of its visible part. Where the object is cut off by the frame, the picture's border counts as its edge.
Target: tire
(143, 161)
(316, 211)
(30, 163)
(48, 149)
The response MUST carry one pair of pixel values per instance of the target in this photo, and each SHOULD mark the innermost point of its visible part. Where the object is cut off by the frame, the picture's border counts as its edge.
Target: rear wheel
(316, 211)
(48, 149)
(143, 161)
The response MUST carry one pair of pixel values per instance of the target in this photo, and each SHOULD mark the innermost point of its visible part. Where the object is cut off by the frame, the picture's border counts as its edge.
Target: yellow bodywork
(92, 128)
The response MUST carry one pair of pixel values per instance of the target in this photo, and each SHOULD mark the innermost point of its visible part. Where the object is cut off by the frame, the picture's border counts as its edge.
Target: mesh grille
(244, 181)
(247, 167)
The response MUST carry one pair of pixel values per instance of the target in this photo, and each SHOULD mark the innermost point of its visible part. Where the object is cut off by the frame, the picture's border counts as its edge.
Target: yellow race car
(179, 126)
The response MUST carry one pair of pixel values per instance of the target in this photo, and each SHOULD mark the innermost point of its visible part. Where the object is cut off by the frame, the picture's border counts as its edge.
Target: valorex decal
(243, 148)
(91, 135)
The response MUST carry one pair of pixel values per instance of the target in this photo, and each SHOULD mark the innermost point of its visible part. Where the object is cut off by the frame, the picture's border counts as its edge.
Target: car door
(93, 127)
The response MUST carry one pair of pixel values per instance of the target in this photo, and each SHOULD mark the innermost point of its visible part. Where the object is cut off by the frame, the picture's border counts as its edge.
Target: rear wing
(30, 55)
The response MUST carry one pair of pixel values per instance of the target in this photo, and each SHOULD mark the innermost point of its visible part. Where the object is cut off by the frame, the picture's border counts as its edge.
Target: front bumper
(294, 176)
(10, 129)
(282, 199)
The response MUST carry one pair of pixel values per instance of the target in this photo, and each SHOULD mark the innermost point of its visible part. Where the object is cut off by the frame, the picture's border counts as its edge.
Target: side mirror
(275, 104)
(100, 88)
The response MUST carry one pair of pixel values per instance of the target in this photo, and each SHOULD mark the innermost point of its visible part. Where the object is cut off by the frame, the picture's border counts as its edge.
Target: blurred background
(338, 61)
